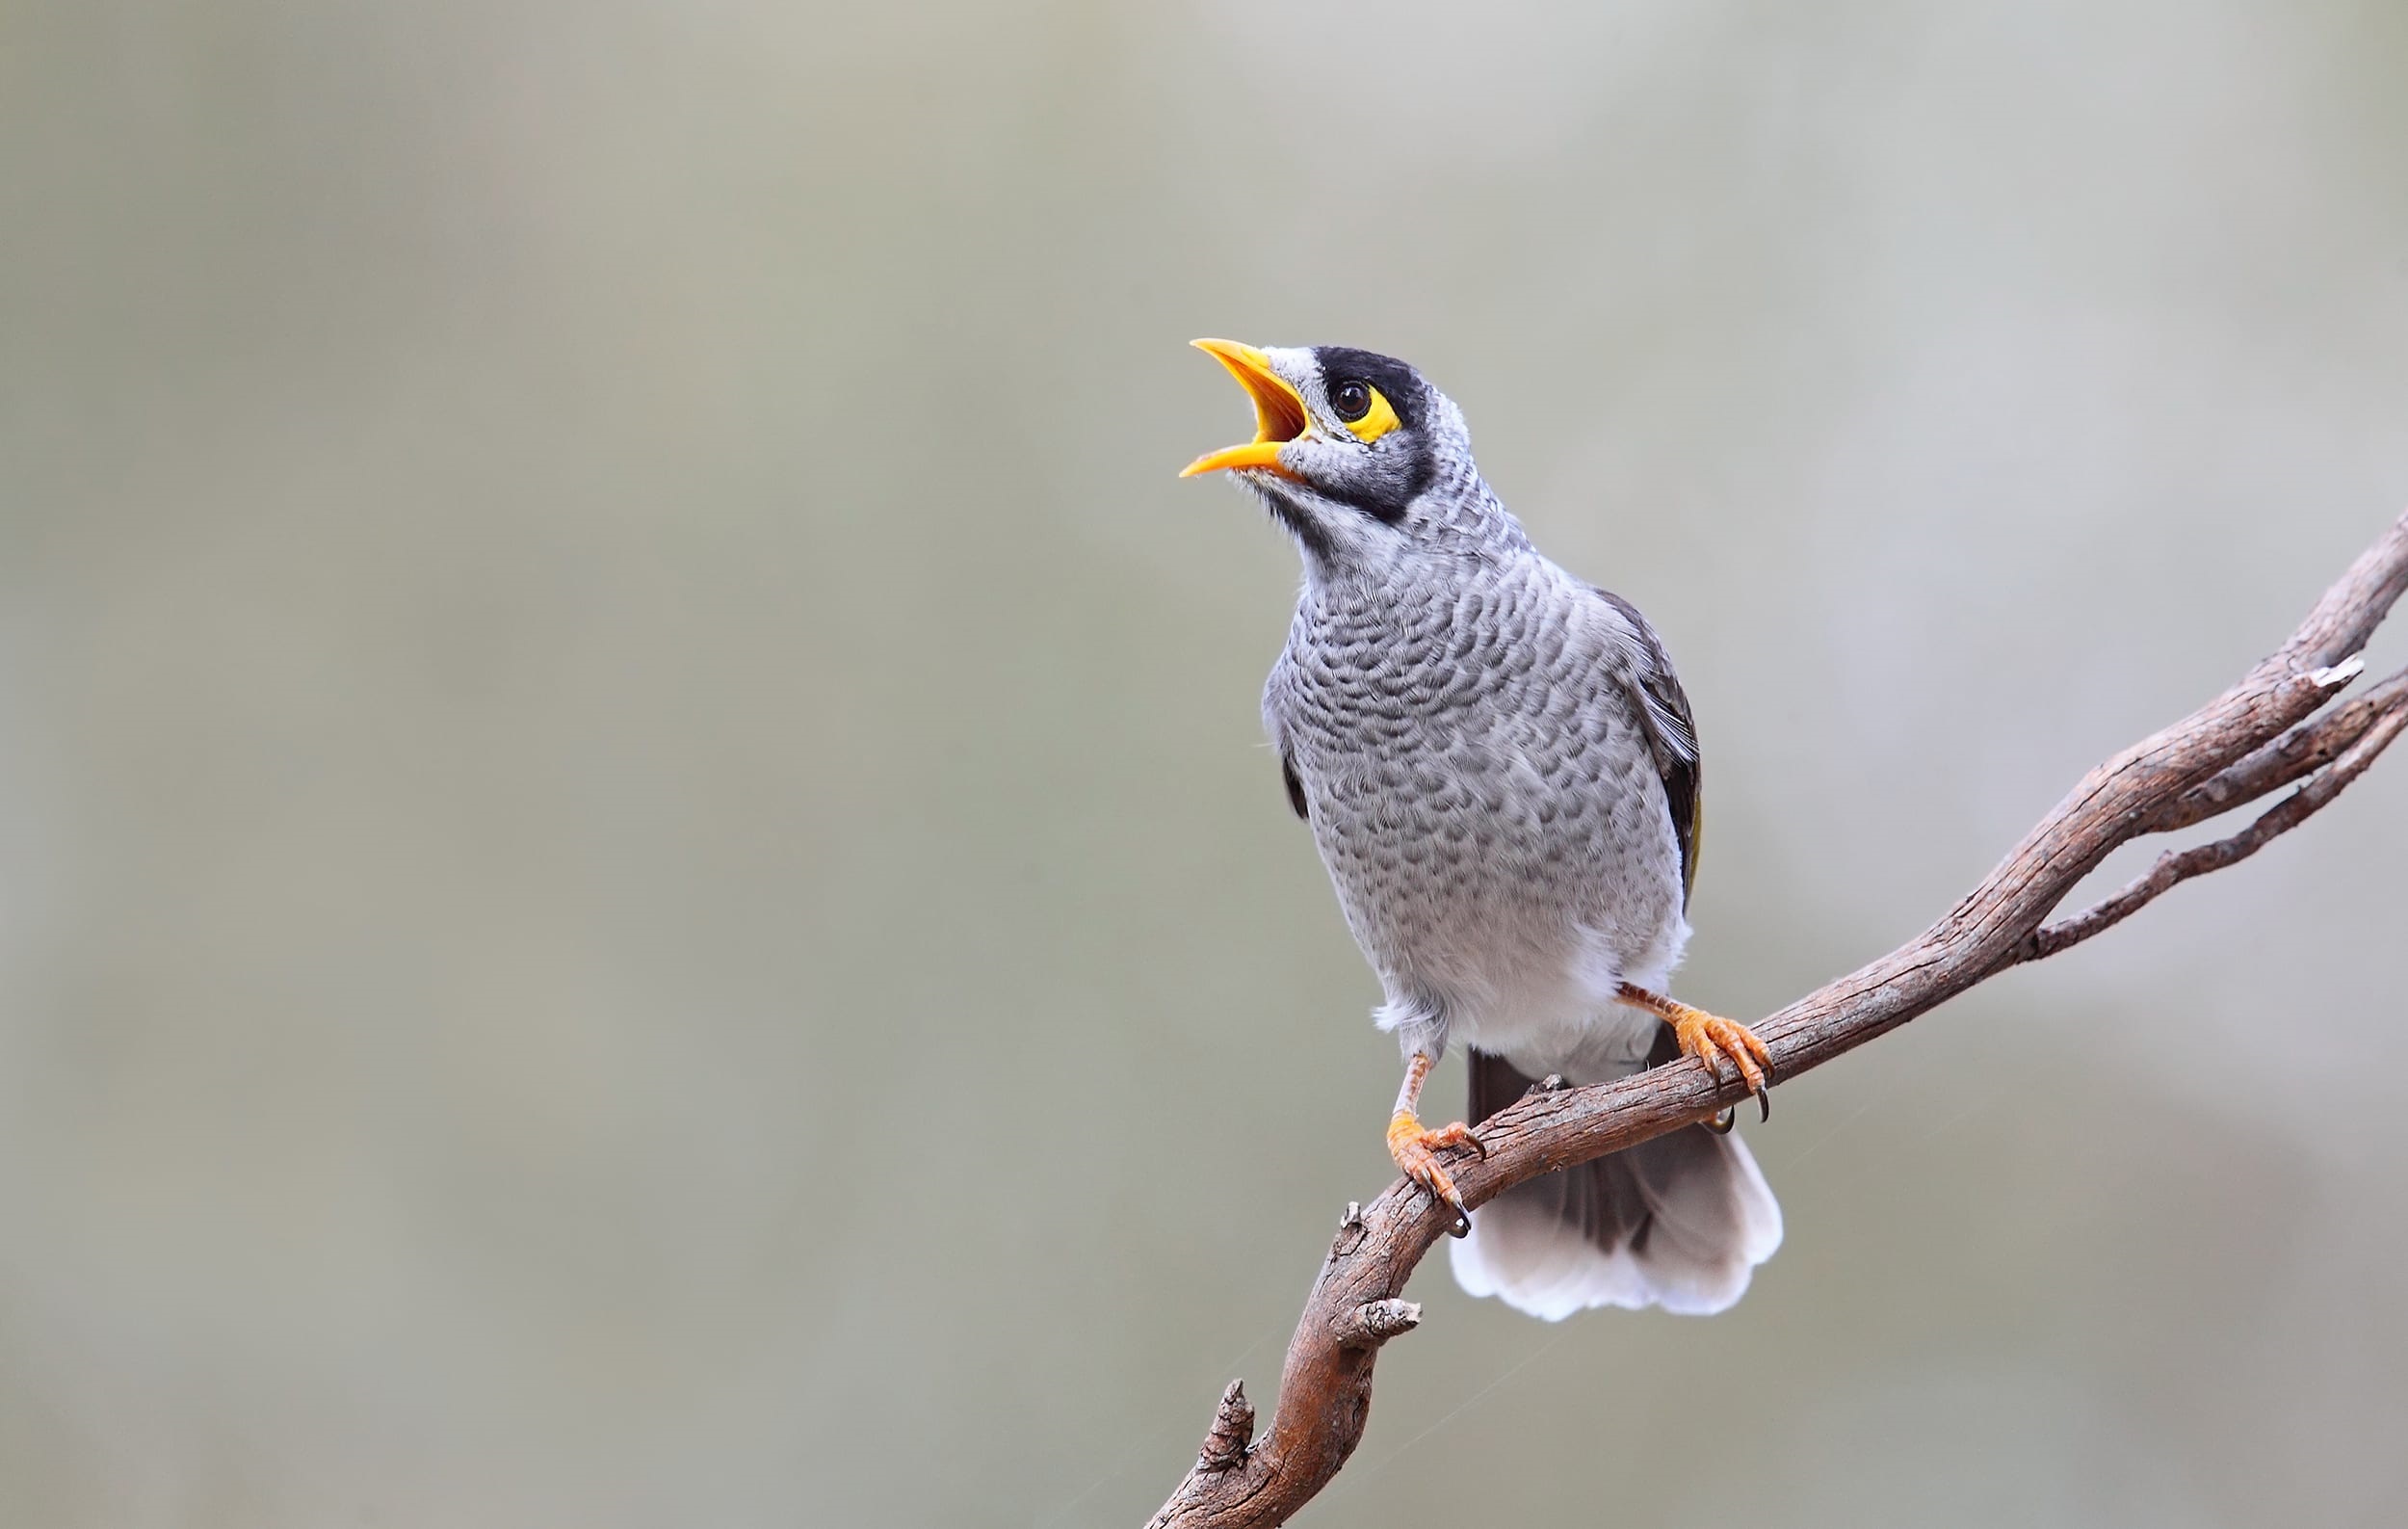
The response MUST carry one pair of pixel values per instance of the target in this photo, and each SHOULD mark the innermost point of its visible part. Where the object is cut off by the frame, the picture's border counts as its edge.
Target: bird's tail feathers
(1680, 1222)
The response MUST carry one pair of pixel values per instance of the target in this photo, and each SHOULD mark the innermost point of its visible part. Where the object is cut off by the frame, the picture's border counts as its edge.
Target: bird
(1501, 772)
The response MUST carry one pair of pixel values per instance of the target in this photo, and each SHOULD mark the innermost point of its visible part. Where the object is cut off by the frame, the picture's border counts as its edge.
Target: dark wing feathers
(1295, 785)
(1671, 735)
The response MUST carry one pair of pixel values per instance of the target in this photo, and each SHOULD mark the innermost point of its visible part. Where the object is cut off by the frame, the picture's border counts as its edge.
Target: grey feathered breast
(1496, 766)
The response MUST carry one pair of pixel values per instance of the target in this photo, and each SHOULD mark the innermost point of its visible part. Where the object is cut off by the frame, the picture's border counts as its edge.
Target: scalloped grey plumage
(1501, 772)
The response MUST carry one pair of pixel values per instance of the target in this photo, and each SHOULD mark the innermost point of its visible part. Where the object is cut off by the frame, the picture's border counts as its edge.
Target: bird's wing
(1277, 699)
(1671, 733)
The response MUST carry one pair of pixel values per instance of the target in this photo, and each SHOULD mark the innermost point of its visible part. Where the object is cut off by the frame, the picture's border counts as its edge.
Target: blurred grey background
(637, 882)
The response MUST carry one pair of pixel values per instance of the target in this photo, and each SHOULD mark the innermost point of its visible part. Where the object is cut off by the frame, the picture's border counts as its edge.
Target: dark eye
(1351, 400)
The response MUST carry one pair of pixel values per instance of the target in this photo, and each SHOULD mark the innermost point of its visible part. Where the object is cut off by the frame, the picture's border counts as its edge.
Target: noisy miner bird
(1502, 776)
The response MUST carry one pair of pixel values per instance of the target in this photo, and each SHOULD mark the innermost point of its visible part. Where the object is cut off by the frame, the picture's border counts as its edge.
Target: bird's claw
(1415, 1154)
(1711, 1040)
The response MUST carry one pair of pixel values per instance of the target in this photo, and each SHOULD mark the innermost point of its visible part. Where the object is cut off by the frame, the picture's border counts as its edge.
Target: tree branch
(2255, 738)
(2182, 865)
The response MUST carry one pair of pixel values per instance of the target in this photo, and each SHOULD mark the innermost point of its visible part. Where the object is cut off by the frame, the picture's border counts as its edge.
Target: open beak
(1279, 415)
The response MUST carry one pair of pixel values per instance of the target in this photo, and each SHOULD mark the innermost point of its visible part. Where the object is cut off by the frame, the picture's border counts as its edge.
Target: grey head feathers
(1351, 503)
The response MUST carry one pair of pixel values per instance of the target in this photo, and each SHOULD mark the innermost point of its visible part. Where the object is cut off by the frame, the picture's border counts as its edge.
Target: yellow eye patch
(1376, 421)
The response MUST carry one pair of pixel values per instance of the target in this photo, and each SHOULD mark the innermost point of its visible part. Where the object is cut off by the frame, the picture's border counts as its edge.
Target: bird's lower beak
(1279, 415)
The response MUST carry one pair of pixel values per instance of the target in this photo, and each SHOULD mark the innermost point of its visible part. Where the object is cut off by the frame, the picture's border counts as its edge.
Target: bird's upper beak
(1279, 415)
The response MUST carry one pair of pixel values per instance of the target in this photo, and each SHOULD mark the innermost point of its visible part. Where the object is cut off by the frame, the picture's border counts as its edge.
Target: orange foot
(1712, 1038)
(1416, 1153)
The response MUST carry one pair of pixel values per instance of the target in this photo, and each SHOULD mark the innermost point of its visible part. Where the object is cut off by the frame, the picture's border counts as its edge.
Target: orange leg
(1416, 1149)
(1711, 1040)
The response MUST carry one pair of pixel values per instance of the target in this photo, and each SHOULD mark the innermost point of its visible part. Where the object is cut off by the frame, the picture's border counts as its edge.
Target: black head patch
(1409, 397)
(1340, 363)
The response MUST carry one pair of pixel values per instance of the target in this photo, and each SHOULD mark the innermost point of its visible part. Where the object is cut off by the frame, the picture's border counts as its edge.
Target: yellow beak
(1279, 415)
